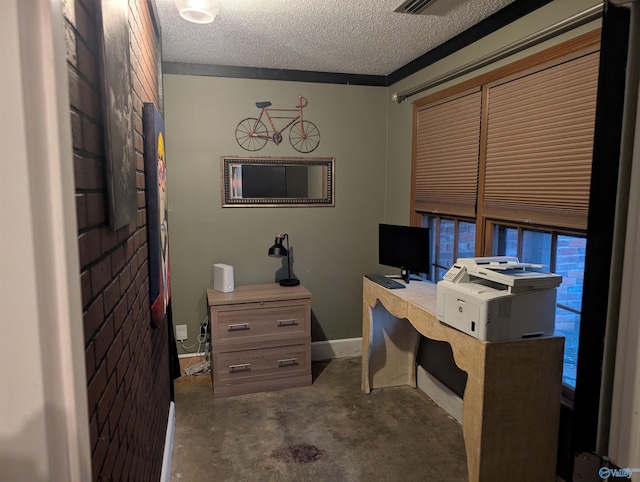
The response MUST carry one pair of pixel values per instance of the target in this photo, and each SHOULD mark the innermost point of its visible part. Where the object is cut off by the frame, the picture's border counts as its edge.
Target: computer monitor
(404, 247)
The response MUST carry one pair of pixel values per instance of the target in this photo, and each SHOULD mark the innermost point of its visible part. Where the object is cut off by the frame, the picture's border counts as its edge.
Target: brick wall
(128, 382)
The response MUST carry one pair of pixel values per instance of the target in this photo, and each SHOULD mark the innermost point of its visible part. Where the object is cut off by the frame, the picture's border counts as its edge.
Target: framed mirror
(277, 181)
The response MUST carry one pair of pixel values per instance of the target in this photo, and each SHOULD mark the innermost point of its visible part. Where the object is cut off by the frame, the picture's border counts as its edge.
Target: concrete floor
(330, 431)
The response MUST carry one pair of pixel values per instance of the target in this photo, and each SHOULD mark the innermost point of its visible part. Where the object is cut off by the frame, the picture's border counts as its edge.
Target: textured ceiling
(340, 36)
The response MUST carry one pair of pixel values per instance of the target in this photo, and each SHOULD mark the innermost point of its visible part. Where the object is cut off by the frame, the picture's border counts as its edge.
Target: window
(559, 253)
(511, 149)
(451, 238)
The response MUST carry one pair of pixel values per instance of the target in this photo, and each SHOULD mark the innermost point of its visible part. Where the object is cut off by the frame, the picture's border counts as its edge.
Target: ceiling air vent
(415, 7)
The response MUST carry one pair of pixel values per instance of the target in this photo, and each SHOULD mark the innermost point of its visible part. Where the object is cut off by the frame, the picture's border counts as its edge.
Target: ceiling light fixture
(198, 11)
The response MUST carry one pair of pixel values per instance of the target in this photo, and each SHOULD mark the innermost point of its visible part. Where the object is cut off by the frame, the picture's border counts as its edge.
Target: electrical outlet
(181, 332)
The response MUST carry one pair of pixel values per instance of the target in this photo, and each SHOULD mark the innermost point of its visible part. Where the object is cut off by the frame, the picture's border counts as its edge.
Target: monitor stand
(406, 274)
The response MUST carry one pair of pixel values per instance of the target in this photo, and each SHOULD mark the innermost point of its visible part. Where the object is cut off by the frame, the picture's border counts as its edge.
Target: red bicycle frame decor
(252, 134)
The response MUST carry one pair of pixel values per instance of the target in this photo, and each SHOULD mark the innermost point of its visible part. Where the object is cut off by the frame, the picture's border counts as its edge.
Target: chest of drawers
(260, 338)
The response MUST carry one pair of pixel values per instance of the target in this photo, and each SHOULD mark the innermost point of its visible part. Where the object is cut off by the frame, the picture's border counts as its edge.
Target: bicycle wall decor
(252, 134)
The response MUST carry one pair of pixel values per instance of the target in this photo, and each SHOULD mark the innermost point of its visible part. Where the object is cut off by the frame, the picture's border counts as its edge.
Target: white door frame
(624, 434)
(44, 425)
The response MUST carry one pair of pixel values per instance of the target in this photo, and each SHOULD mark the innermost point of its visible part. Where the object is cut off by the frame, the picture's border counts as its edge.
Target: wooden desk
(511, 403)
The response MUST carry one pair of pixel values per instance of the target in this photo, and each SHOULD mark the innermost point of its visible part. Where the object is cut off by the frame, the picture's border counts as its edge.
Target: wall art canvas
(118, 109)
(157, 221)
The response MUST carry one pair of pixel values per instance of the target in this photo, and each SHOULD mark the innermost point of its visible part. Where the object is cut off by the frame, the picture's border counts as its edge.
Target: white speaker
(223, 278)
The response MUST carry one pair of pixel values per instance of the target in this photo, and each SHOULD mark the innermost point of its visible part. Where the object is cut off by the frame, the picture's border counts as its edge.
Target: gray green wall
(332, 246)
(370, 137)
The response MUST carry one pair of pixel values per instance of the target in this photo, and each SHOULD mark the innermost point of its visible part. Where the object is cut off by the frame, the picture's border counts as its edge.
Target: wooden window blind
(539, 145)
(446, 156)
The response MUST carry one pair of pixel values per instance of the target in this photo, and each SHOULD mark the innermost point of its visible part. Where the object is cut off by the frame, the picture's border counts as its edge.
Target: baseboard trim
(440, 393)
(327, 350)
(165, 475)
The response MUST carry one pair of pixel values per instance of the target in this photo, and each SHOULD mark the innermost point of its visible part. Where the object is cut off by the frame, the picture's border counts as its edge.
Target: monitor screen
(404, 247)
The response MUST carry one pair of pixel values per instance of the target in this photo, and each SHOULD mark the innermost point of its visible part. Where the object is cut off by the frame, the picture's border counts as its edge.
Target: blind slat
(447, 151)
(540, 143)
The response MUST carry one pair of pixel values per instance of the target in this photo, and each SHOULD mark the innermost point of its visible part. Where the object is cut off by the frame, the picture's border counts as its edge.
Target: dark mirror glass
(252, 182)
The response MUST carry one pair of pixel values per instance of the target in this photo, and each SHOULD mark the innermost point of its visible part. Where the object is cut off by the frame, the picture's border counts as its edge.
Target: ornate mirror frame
(231, 182)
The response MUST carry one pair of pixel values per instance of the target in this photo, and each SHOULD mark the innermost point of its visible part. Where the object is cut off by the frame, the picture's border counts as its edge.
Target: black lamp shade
(278, 250)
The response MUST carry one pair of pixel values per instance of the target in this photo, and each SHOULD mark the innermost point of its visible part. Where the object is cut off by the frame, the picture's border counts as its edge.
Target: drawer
(260, 324)
(245, 366)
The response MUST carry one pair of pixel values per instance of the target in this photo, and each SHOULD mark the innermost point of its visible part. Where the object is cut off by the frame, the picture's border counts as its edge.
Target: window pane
(440, 272)
(451, 244)
(447, 242)
(430, 222)
(570, 321)
(466, 239)
(570, 256)
(505, 241)
(536, 248)
(569, 263)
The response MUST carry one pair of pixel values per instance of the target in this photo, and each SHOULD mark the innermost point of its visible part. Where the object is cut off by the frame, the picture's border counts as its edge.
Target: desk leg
(389, 348)
(511, 412)
(472, 423)
(366, 347)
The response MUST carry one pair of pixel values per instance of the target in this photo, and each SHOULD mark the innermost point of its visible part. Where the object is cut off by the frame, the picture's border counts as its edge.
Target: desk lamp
(279, 251)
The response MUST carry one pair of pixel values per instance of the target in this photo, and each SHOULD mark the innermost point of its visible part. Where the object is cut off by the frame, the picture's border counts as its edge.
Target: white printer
(497, 299)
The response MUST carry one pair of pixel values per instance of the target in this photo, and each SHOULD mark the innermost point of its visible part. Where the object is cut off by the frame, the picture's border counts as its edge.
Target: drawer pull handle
(238, 326)
(290, 322)
(241, 366)
(287, 361)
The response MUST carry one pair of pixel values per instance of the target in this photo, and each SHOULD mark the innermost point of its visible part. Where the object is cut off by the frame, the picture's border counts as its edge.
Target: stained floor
(330, 431)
